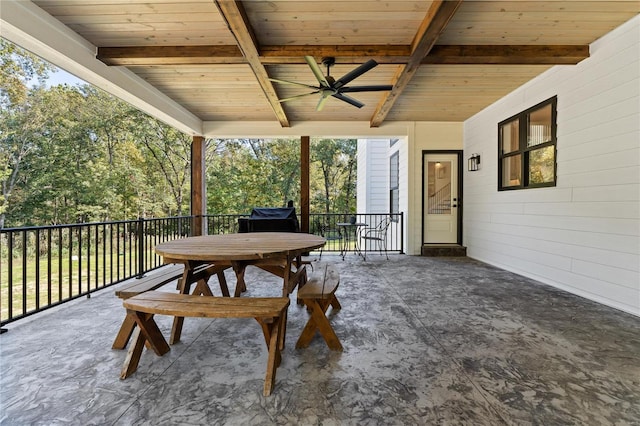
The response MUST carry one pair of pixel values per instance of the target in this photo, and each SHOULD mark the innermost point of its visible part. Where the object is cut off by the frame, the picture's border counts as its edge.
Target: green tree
(17, 69)
(167, 155)
(76, 154)
(333, 175)
(246, 173)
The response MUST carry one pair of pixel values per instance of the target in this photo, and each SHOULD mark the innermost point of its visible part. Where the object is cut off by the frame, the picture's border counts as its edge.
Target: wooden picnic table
(276, 252)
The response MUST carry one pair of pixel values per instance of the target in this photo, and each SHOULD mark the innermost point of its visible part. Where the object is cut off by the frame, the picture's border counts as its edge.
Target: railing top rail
(78, 225)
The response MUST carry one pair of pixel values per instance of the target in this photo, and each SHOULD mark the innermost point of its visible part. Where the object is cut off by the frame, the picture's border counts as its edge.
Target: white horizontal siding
(584, 234)
(373, 175)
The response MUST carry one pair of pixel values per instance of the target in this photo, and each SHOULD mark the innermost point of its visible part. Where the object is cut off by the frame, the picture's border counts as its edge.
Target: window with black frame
(527, 148)
(394, 184)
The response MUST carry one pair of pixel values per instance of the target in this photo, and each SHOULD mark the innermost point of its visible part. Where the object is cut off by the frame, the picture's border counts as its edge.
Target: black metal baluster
(2, 330)
(59, 264)
(70, 256)
(140, 247)
(37, 232)
(10, 275)
(104, 254)
(118, 251)
(24, 272)
(97, 256)
(132, 249)
(49, 271)
(89, 260)
(79, 230)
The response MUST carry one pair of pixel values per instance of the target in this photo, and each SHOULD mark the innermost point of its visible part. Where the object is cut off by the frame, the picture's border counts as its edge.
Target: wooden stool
(317, 294)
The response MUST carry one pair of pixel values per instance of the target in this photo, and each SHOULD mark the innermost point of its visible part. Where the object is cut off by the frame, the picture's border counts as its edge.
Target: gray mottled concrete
(427, 341)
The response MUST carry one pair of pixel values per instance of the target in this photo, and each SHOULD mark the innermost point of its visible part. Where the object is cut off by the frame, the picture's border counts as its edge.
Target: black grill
(270, 219)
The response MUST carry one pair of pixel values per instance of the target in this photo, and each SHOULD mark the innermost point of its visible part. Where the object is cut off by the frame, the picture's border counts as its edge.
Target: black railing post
(401, 232)
(141, 247)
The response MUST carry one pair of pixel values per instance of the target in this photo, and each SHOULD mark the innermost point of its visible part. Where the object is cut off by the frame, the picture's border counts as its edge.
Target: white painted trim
(335, 129)
(31, 28)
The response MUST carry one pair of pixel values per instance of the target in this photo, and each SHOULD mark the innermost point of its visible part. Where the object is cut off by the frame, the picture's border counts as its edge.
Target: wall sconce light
(474, 162)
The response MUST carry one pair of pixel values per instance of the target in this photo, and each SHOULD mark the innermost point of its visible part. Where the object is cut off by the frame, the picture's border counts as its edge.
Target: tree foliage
(246, 173)
(73, 154)
(76, 154)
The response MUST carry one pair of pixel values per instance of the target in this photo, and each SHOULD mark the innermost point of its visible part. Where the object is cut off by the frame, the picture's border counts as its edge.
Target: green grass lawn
(61, 280)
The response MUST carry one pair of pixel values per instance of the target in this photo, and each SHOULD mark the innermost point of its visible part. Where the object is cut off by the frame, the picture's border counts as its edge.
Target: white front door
(440, 199)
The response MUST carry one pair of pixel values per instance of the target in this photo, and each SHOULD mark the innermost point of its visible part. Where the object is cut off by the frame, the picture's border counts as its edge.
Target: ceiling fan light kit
(329, 87)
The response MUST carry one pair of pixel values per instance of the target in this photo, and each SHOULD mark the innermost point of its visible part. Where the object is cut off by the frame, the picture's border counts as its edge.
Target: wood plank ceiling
(446, 60)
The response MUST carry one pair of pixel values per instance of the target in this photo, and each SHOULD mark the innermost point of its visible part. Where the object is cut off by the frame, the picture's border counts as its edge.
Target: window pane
(509, 136)
(541, 165)
(439, 179)
(511, 171)
(394, 171)
(395, 201)
(539, 126)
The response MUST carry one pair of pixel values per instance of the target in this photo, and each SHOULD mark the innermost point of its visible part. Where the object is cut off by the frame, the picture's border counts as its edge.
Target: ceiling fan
(328, 86)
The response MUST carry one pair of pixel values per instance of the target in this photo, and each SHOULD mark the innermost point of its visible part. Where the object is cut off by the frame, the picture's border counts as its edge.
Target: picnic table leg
(146, 333)
(272, 333)
(318, 321)
(126, 330)
(185, 287)
(239, 268)
(133, 355)
(202, 288)
(223, 284)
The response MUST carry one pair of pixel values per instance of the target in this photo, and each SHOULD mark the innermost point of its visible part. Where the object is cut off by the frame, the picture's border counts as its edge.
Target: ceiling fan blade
(325, 94)
(376, 88)
(290, 98)
(345, 79)
(317, 71)
(275, 80)
(348, 100)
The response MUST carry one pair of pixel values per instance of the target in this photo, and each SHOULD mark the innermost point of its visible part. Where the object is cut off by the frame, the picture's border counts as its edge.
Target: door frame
(458, 153)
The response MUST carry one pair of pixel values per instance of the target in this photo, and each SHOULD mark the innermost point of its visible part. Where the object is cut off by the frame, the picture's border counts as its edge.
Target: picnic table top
(236, 247)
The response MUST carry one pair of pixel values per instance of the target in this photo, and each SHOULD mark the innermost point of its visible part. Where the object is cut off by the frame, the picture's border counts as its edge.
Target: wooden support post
(198, 186)
(304, 183)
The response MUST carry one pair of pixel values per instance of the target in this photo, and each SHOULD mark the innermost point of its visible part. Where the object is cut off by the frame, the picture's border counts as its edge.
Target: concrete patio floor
(426, 341)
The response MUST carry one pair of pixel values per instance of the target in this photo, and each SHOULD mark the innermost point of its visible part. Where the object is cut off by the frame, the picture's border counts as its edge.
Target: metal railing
(44, 266)
(340, 238)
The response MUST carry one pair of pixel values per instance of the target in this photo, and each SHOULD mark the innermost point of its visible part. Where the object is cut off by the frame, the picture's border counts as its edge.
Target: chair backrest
(384, 224)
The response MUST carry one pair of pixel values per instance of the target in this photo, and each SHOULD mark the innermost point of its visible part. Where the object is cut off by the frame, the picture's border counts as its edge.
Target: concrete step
(444, 250)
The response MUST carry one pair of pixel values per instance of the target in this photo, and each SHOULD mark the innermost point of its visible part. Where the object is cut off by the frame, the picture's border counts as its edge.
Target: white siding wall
(373, 175)
(584, 234)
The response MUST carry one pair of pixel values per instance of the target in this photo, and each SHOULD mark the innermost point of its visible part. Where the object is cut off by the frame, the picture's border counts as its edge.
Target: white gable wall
(584, 234)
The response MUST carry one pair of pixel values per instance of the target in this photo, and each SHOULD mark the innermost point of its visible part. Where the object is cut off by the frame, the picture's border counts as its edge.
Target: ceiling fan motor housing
(328, 61)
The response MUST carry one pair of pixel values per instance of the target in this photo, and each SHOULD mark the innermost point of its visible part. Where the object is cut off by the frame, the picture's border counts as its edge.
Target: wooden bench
(154, 281)
(270, 312)
(317, 294)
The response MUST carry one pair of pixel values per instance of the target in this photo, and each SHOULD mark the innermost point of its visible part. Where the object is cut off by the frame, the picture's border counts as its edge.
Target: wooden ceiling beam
(438, 16)
(344, 54)
(170, 55)
(507, 55)
(238, 23)
(350, 54)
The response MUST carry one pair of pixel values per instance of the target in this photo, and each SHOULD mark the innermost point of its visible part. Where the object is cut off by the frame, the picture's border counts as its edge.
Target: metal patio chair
(378, 235)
